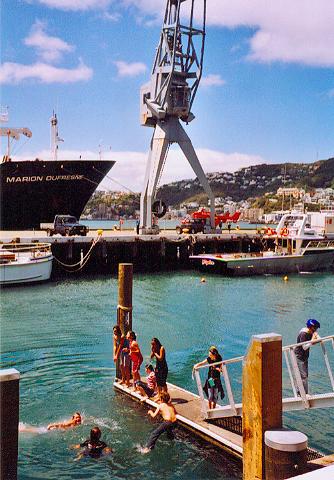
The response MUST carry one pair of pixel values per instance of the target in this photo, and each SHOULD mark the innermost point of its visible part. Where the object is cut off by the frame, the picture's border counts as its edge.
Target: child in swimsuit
(136, 357)
(73, 422)
(148, 389)
(168, 413)
(93, 447)
(121, 354)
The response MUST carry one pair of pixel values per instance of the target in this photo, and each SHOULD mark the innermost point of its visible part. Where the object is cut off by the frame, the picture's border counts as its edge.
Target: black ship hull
(33, 192)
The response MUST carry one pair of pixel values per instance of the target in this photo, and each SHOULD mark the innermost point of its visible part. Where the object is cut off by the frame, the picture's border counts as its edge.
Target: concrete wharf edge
(188, 407)
(122, 236)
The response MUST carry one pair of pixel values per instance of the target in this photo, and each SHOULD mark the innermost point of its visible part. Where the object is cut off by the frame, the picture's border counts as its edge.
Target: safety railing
(299, 400)
(320, 244)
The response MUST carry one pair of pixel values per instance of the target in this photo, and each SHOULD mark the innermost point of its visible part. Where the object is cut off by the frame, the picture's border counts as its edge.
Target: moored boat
(25, 263)
(298, 249)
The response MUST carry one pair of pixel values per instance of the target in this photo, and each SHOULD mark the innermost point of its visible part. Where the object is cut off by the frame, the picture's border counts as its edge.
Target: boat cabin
(294, 234)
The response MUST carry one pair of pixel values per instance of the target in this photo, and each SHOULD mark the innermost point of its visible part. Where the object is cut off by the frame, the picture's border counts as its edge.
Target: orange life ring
(270, 231)
(284, 232)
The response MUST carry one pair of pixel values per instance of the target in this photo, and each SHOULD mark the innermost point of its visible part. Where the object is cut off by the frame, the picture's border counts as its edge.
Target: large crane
(168, 98)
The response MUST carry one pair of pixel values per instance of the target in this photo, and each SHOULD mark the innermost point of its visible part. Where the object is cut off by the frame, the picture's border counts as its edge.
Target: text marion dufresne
(48, 178)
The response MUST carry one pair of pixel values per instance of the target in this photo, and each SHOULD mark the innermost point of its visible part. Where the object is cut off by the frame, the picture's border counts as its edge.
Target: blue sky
(267, 94)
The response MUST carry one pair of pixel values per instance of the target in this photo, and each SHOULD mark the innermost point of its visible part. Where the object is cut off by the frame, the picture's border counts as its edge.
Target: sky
(266, 96)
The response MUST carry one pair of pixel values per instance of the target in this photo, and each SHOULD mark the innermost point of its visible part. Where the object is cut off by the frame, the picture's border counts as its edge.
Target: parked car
(67, 225)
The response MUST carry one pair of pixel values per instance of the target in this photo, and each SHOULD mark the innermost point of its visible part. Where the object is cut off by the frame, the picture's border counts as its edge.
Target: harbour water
(59, 336)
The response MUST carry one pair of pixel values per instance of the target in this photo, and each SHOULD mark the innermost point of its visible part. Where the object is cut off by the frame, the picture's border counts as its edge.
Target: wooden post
(261, 400)
(9, 422)
(124, 307)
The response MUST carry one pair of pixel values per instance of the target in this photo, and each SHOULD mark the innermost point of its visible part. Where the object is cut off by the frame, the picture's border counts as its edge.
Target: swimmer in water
(93, 447)
(72, 422)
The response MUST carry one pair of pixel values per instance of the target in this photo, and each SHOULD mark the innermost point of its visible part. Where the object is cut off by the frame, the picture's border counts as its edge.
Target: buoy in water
(285, 278)
(203, 280)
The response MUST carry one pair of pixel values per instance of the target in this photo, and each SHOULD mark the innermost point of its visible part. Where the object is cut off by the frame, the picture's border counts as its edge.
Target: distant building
(253, 214)
(291, 192)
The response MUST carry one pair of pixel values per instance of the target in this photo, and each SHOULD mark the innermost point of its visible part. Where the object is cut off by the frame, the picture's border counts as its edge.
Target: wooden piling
(261, 400)
(124, 308)
(9, 422)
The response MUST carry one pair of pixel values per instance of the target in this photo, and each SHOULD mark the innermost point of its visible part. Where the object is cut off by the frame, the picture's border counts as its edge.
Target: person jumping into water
(168, 413)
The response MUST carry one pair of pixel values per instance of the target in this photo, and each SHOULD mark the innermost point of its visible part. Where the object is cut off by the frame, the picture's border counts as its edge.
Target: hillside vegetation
(252, 182)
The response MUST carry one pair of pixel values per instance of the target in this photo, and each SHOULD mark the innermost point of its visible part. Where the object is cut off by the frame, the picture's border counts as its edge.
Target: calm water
(58, 335)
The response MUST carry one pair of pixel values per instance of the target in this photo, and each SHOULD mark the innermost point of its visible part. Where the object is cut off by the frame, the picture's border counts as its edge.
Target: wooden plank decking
(188, 409)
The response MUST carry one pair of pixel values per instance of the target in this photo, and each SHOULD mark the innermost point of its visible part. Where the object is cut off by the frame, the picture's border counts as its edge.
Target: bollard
(9, 422)
(285, 454)
(124, 307)
(261, 400)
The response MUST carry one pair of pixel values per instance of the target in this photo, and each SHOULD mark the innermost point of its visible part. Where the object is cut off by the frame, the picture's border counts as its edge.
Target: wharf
(165, 251)
(188, 408)
(119, 235)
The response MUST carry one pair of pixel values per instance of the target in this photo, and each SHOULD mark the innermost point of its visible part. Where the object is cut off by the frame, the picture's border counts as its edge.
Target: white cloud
(17, 73)
(50, 49)
(298, 31)
(125, 69)
(177, 167)
(212, 80)
(111, 17)
(75, 5)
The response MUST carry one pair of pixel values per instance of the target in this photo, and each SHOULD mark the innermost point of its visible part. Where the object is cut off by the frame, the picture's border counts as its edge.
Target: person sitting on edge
(148, 389)
(73, 422)
(168, 413)
(93, 447)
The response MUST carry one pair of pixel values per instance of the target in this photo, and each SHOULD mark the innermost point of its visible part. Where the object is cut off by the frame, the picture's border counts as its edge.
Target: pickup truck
(193, 225)
(67, 225)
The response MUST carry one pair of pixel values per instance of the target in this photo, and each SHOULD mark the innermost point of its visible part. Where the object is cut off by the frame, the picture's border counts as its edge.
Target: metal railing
(298, 401)
(320, 244)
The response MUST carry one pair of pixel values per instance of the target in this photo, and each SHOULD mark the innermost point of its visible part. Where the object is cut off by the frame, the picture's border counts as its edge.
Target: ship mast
(10, 132)
(168, 98)
(55, 139)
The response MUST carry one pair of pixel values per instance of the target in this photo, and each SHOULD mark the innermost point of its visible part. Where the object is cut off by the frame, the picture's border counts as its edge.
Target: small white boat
(298, 249)
(25, 263)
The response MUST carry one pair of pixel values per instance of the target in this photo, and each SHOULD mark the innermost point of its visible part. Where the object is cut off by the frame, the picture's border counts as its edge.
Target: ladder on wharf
(299, 400)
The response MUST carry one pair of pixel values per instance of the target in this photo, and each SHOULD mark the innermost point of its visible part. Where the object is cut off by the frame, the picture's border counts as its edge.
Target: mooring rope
(82, 262)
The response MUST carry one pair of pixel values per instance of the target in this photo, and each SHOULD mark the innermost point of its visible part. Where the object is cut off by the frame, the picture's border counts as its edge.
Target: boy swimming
(72, 422)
